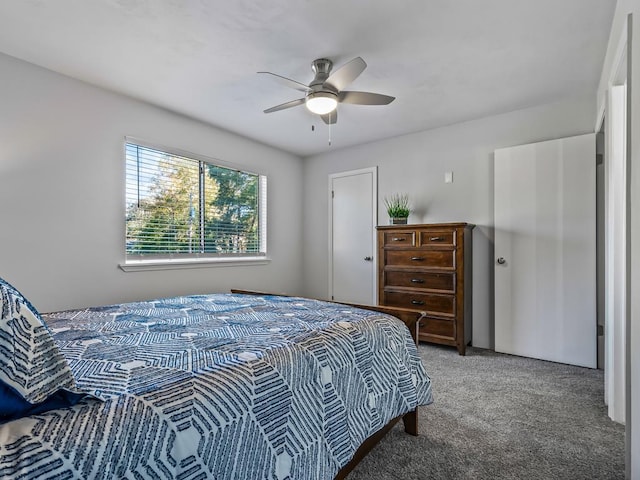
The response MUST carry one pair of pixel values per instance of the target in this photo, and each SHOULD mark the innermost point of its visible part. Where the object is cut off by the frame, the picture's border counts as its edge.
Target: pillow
(33, 373)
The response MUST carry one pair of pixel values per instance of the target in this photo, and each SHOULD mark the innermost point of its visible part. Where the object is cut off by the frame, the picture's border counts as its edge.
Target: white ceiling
(446, 61)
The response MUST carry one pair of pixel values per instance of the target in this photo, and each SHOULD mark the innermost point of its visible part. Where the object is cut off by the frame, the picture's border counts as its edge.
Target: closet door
(545, 249)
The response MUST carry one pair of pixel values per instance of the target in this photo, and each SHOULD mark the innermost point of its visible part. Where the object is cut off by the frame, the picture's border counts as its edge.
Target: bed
(222, 386)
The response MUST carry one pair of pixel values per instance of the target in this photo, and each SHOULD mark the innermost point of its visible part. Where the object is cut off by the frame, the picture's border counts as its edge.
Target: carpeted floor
(497, 416)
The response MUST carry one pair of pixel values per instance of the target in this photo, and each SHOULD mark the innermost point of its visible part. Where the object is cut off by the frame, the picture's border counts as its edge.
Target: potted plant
(397, 208)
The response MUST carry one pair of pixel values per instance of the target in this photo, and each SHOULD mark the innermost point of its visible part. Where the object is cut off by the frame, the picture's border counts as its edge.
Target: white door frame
(617, 285)
(615, 254)
(374, 221)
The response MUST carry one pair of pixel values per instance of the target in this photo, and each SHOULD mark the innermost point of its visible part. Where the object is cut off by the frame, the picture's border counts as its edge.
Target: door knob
(501, 261)
(368, 259)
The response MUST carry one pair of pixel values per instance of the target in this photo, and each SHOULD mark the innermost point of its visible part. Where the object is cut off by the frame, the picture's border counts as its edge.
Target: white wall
(623, 8)
(62, 196)
(416, 164)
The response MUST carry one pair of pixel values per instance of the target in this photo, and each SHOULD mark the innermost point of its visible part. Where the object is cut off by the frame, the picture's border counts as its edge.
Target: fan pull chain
(330, 128)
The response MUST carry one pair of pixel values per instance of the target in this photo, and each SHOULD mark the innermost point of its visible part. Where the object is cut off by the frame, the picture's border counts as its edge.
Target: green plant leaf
(398, 205)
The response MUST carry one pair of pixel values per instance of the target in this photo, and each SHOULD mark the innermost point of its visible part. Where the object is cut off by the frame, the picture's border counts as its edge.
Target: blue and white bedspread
(218, 387)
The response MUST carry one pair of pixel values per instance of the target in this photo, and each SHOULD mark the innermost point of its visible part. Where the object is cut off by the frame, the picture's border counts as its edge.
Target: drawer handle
(417, 280)
(417, 259)
(436, 239)
(417, 302)
(398, 239)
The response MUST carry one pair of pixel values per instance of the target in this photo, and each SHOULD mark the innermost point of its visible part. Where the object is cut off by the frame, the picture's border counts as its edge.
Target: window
(183, 208)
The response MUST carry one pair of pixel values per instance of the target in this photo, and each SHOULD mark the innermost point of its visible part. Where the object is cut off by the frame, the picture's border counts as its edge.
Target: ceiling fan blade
(364, 98)
(346, 74)
(282, 106)
(289, 83)
(330, 118)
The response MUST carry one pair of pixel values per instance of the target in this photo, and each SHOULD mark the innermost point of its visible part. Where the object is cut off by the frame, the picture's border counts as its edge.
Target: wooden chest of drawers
(424, 267)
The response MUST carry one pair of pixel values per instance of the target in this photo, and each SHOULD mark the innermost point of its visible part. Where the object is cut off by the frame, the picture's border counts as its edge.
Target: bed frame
(411, 320)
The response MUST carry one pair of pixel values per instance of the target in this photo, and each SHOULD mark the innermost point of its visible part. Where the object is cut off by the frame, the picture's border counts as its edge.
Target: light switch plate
(448, 177)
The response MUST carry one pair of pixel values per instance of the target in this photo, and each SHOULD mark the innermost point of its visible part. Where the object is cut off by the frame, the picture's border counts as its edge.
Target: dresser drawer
(421, 258)
(399, 239)
(430, 302)
(445, 281)
(437, 326)
(436, 237)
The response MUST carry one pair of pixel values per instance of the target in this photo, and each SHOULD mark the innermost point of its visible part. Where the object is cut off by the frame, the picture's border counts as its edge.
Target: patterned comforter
(219, 387)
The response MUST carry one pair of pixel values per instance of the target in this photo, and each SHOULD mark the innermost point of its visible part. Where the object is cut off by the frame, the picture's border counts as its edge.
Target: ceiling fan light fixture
(321, 103)
(327, 89)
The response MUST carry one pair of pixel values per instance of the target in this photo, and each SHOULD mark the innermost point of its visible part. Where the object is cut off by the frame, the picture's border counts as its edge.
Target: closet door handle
(417, 280)
(417, 302)
(417, 259)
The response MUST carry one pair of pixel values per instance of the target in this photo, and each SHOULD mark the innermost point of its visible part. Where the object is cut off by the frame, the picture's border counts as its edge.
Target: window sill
(144, 265)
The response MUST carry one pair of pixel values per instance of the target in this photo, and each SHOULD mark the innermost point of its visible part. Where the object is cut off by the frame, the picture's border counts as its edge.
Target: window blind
(178, 206)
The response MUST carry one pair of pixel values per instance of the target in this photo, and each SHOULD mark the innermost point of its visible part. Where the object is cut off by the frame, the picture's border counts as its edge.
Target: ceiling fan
(326, 90)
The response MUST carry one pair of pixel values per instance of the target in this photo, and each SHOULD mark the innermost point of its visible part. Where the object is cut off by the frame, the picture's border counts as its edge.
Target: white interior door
(545, 234)
(352, 239)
